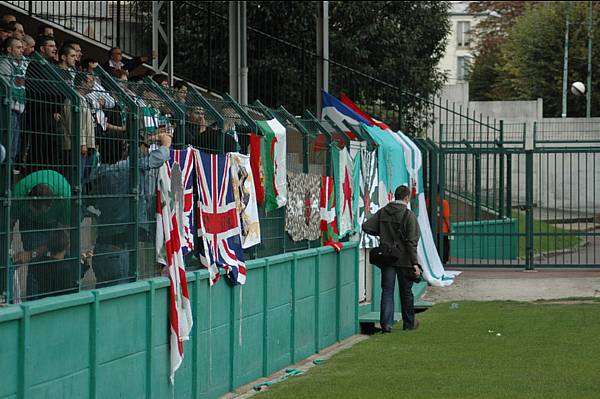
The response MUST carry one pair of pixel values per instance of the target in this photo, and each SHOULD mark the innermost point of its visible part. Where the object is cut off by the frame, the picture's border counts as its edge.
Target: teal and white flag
(433, 269)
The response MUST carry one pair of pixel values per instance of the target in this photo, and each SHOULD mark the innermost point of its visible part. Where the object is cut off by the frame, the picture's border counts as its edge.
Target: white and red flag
(170, 233)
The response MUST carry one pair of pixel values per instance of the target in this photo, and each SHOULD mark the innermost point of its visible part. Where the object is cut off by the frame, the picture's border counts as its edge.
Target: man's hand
(83, 150)
(417, 271)
(165, 139)
(22, 257)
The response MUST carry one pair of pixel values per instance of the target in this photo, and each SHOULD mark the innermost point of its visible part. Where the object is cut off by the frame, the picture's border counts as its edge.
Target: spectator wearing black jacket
(44, 103)
(116, 61)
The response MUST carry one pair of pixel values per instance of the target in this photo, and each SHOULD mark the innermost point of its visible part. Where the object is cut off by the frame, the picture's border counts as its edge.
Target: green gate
(516, 200)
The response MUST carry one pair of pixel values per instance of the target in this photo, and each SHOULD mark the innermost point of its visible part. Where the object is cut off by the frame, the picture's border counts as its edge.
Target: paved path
(518, 285)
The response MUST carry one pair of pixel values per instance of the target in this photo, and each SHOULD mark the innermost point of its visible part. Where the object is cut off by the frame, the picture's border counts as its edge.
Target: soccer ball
(578, 88)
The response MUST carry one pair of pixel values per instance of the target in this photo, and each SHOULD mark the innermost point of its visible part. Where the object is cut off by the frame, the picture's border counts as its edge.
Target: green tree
(491, 32)
(395, 43)
(531, 60)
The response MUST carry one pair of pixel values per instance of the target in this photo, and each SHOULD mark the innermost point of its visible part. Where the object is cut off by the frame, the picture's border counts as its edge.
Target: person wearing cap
(6, 31)
(8, 18)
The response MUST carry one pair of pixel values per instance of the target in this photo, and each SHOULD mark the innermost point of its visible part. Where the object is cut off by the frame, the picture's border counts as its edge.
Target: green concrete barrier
(113, 342)
(486, 239)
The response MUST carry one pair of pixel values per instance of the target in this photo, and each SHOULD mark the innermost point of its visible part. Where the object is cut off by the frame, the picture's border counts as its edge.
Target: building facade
(461, 42)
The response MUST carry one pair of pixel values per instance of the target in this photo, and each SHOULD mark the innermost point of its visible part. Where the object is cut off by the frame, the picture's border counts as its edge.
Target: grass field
(557, 239)
(543, 351)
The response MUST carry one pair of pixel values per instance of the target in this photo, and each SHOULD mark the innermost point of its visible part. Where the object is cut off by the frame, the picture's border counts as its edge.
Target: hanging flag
(329, 230)
(257, 168)
(169, 234)
(302, 213)
(369, 198)
(391, 147)
(220, 224)
(340, 113)
(273, 156)
(242, 180)
(344, 188)
(433, 268)
(184, 161)
(369, 121)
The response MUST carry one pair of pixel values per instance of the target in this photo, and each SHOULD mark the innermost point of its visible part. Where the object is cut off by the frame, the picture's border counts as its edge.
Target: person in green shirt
(41, 206)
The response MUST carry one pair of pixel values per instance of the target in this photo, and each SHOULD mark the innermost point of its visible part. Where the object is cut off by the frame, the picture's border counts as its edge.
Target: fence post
(440, 204)
(477, 186)
(433, 191)
(118, 42)
(501, 177)
(509, 185)
(529, 210)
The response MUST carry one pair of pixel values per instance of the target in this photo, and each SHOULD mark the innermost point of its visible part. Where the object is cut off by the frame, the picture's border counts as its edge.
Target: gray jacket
(397, 226)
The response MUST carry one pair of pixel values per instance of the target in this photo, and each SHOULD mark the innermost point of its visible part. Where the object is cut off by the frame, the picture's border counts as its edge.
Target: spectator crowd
(45, 122)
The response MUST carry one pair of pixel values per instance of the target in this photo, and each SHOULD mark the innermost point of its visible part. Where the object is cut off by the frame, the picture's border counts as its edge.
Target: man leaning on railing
(110, 183)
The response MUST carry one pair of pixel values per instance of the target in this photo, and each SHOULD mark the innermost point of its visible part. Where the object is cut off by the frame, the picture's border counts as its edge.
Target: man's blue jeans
(388, 285)
(15, 123)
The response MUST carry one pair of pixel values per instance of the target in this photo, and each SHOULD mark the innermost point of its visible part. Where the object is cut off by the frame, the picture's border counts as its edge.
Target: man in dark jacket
(398, 227)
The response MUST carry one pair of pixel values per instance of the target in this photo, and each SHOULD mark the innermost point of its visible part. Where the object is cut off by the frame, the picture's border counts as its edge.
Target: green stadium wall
(113, 342)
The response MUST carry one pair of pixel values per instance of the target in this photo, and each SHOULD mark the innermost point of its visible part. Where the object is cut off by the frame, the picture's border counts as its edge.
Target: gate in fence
(516, 199)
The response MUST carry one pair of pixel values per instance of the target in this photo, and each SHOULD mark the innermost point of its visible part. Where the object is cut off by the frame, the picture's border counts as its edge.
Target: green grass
(557, 240)
(544, 351)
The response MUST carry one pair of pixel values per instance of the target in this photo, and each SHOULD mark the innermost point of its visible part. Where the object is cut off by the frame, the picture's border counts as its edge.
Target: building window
(462, 67)
(463, 34)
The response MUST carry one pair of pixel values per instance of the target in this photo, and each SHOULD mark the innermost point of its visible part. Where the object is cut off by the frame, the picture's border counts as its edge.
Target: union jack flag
(217, 218)
(184, 160)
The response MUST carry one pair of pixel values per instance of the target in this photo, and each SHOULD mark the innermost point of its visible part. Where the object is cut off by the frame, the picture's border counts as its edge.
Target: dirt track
(518, 285)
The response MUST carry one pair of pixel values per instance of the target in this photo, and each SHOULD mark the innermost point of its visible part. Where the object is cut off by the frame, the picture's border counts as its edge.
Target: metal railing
(121, 24)
(78, 196)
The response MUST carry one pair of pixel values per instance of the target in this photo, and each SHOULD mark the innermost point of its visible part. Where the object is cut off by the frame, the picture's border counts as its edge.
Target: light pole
(588, 106)
(566, 61)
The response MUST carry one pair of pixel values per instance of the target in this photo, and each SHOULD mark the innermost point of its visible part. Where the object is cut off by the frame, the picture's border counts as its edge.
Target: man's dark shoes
(386, 329)
(414, 327)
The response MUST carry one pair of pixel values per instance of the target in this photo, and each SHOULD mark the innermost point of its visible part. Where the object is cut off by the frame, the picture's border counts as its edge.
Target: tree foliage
(399, 43)
(531, 58)
(491, 32)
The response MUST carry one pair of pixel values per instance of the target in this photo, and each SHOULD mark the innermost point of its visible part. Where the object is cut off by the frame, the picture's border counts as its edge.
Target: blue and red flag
(217, 218)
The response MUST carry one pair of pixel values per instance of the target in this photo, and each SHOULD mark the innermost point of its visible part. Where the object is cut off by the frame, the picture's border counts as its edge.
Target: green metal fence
(79, 194)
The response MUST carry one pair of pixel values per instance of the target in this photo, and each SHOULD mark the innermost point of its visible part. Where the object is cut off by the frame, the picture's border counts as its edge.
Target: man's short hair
(13, 24)
(9, 42)
(42, 28)
(71, 43)
(41, 41)
(160, 78)
(119, 73)
(401, 192)
(85, 63)
(179, 84)
(64, 50)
